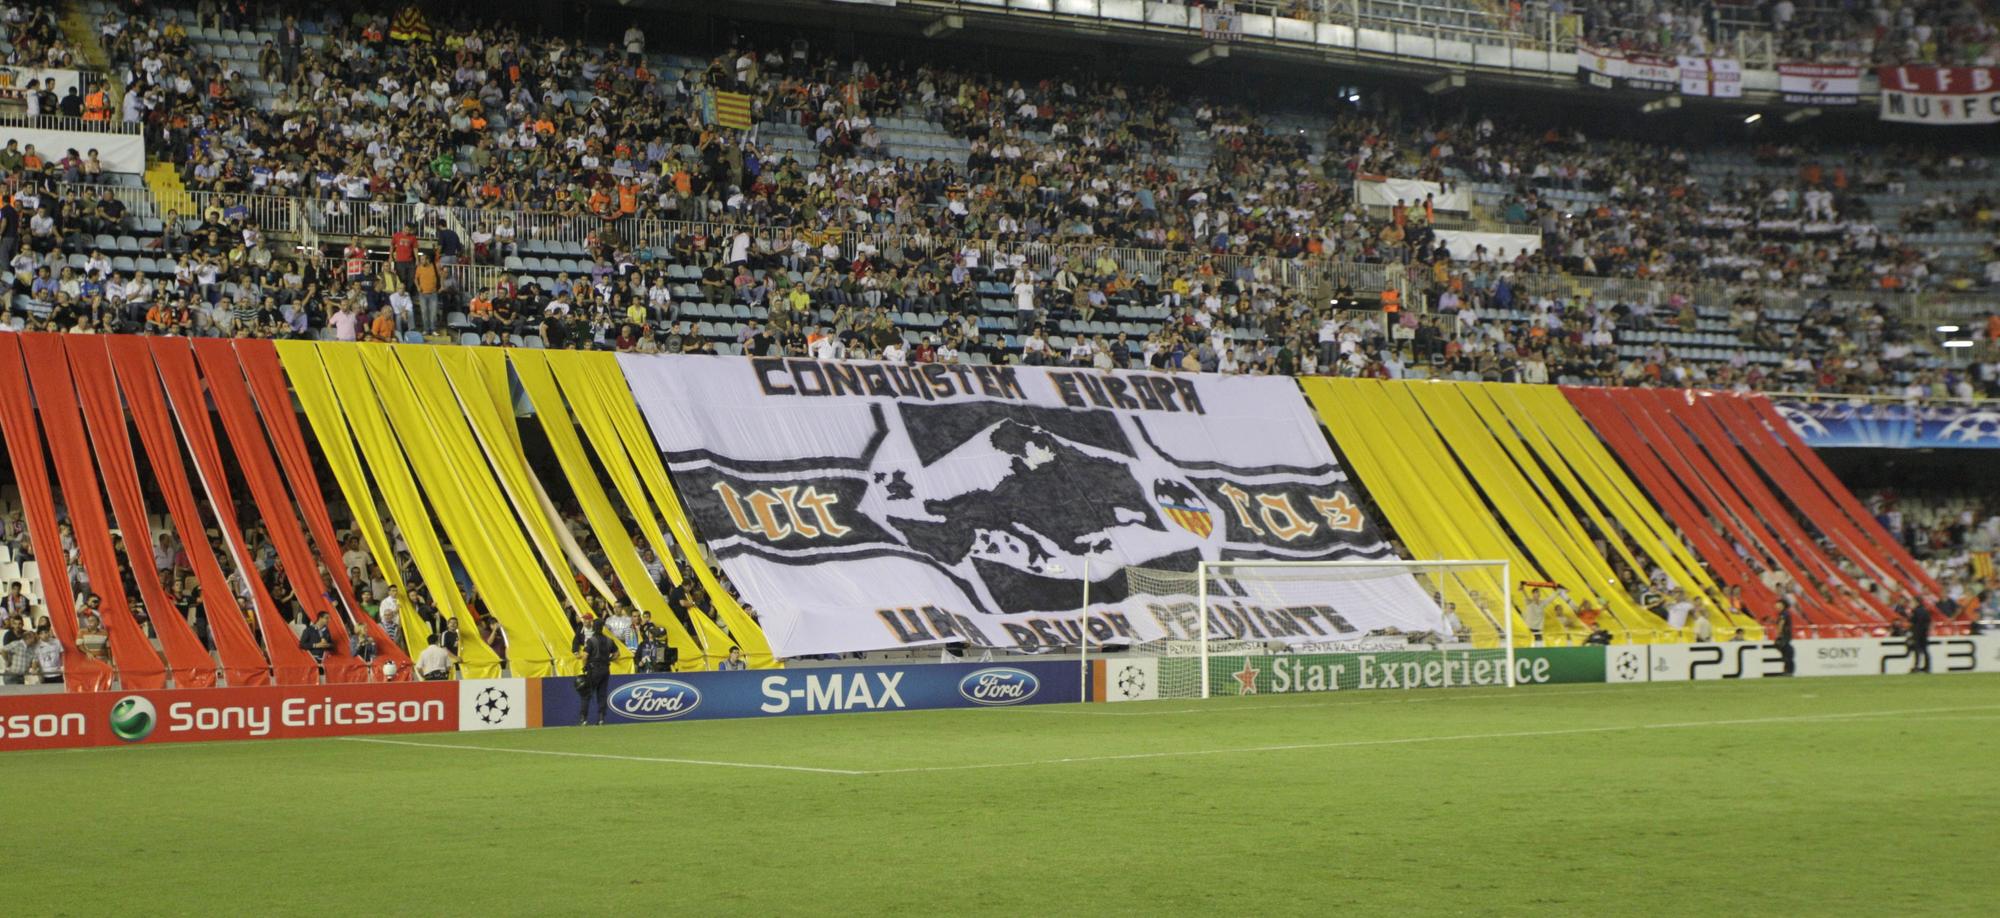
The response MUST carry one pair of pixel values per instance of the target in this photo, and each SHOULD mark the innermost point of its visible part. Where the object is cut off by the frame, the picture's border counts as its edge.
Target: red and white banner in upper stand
(1820, 84)
(1614, 68)
(1711, 76)
(1941, 95)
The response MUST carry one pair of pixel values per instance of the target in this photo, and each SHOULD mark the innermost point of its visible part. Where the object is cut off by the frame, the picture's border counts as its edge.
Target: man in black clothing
(1920, 639)
(317, 639)
(1782, 634)
(596, 653)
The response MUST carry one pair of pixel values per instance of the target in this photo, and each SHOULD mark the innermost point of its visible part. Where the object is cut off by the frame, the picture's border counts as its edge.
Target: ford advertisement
(817, 690)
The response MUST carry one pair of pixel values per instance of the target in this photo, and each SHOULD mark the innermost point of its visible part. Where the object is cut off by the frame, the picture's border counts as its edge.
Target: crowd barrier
(77, 720)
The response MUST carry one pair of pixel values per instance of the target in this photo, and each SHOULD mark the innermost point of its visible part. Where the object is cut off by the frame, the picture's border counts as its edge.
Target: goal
(1264, 627)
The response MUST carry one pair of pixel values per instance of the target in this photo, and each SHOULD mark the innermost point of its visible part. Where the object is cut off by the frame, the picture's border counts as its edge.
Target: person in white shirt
(1035, 350)
(1679, 610)
(48, 656)
(635, 45)
(435, 662)
(828, 346)
(1024, 298)
(1453, 627)
(1080, 352)
(1704, 631)
(896, 353)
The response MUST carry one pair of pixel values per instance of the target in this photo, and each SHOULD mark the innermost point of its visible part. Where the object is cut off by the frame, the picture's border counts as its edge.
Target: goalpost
(1287, 626)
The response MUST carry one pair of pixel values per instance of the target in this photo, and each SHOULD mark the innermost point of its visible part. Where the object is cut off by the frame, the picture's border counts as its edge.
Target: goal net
(1264, 627)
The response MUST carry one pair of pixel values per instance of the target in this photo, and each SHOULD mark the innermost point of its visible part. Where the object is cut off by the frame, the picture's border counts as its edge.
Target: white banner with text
(861, 506)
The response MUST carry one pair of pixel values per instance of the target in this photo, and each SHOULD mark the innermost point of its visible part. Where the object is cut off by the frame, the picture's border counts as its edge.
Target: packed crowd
(847, 241)
(33, 35)
(1955, 536)
(489, 118)
(1942, 32)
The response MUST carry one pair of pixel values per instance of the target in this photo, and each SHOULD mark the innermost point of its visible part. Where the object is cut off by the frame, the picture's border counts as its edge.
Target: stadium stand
(899, 209)
(331, 178)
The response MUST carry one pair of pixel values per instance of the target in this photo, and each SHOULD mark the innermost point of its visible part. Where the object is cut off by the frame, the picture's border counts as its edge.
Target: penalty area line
(1460, 737)
(606, 756)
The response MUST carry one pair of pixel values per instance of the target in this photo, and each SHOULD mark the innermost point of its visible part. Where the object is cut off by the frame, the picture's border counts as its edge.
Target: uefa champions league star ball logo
(1807, 426)
(492, 705)
(1628, 666)
(133, 719)
(1132, 682)
(1972, 427)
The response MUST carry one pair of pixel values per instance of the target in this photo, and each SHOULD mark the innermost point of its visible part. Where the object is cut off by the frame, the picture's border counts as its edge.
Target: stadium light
(1754, 118)
(1210, 53)
(1667, 104)
(1959, 342)
(944, 25)
(1798, 115)
(1947, 329)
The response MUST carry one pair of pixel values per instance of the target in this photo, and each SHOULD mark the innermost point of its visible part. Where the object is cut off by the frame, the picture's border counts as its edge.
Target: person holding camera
(652, 651)
(596, 652)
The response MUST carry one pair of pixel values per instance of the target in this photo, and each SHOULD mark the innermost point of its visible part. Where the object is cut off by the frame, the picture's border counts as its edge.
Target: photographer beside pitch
(597, 651)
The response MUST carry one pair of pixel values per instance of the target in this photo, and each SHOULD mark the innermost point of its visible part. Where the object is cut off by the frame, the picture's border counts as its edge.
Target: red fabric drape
(138, 666)
(188, 661)
(1749, 435)
(280, 519)
(176, 364)
(243, 661)
(24, 448)
(1866, 526)
(1680, 506)
(1841, 590)
(266, 373)
(1715, 492)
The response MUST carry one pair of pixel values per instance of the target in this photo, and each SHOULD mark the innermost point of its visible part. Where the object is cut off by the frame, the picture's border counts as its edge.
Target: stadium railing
(65, 123)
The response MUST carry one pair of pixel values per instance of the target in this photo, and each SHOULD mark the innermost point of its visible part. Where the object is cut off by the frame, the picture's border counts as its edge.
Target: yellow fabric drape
(365, 415)
(322, 410)
(587, 401)
(430, 422)
(616, 540)
(1434, 509)
(600, 373)
(1558, 545)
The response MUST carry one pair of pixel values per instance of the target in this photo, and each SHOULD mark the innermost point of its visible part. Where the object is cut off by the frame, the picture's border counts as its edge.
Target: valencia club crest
(1184, 506)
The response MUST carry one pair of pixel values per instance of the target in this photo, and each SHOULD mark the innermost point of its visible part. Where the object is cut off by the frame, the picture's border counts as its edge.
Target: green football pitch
(1806, 797)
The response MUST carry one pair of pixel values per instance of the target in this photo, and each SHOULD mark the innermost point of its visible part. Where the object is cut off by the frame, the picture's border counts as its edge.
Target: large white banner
(861, 506)
(1379, 191)
(1820, 84)
(118, 152)
(1941, 95)
(1464, 244)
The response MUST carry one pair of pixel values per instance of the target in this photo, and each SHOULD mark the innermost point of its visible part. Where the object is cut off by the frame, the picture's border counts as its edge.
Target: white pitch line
(606, 755)
(1537, 693)
(1409, 740)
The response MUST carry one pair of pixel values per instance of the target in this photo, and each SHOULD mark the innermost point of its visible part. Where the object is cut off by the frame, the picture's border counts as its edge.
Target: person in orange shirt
(628, 198)
(384, 326)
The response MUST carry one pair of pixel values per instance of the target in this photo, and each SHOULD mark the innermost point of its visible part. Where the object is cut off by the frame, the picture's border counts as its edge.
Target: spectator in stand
(48, 666)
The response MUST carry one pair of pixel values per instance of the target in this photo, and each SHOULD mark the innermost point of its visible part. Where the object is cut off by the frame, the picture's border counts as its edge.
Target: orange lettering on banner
(1283, 519)
(1241, 501)
(1339, 512)
(760, 516)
